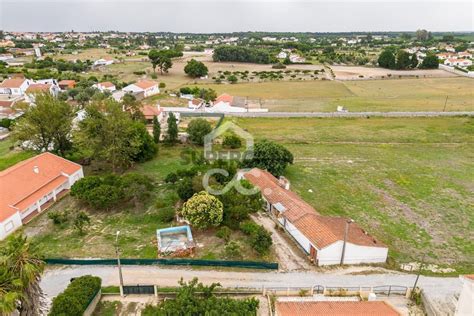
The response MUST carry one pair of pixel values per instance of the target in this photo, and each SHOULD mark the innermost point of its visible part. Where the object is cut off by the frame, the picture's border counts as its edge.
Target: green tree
(430, 62)
(20, 275)
(403, 59)
(80, 221)
(238, 206)
(423, 35)
(387, 59)
(171, 136)
(109, 134)
(203, 210)
(47, 125)
(232, 79)
(270, 156)
(156, 130)
(195, 69)
(131, 105)
(197, 129)
(194, 298)
(160, 59)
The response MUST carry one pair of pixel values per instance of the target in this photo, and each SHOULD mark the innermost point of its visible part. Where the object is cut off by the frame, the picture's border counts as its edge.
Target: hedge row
(76, 297)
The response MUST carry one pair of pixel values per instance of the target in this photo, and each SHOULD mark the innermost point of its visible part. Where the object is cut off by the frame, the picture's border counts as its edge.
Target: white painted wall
(152, 91)
(9, 225)
(465, 306)
(298, 236)
(355, 254)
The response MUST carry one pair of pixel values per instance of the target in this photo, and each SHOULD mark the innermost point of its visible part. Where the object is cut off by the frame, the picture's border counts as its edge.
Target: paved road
(350, 114)
(56, 279)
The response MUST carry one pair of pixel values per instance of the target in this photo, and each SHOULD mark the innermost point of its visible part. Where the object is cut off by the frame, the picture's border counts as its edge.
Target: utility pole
(117, 252)
(445, 103)
(346, 233)
(418, 274)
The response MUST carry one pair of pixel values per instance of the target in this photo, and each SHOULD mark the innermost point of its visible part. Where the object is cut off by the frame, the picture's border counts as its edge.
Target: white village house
(35, 88)
(458, 62)
(31, 186)
(147, 87)
(105, 86)
(326, 240)
(14, 86)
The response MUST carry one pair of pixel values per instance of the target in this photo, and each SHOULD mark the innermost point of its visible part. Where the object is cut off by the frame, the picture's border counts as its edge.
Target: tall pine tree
(172, 132)
(156, 130)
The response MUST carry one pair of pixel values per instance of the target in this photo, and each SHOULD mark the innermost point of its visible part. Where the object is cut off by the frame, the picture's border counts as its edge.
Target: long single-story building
(31, 186)
(326, 240)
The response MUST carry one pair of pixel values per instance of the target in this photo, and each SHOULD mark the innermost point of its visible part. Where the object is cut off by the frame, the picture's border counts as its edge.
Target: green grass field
(407, 181)
(424, 94)
(10, 157)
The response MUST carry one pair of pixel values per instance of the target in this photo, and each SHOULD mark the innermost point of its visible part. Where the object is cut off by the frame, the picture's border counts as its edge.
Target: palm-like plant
(20, 274)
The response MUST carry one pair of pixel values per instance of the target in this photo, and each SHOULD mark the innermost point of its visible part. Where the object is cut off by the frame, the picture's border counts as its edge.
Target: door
(313, 253)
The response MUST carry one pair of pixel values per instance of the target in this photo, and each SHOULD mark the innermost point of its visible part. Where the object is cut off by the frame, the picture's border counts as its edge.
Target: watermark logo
(234, 183)
(228, 127)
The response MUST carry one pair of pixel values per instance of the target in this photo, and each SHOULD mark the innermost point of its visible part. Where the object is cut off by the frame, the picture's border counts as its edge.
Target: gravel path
(290, 258)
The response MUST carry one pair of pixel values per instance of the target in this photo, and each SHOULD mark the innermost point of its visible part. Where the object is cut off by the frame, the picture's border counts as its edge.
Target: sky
(208, 16)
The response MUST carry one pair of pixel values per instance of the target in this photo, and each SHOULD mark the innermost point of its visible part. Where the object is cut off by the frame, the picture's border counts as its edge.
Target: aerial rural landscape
(211, 170)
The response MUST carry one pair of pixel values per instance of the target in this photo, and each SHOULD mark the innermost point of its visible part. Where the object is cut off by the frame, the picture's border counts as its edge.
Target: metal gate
(138, 289)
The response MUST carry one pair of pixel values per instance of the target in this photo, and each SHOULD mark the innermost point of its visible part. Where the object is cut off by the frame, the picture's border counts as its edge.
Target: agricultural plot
(407, 181)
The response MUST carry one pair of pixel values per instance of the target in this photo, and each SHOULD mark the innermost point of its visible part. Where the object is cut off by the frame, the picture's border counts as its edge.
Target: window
(9, 226)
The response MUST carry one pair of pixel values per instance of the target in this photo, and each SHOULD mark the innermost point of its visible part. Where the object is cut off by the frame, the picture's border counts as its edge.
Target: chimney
(284, 182)
(36, 169)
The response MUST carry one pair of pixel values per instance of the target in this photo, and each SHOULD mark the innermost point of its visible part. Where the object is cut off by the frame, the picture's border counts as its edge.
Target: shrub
(259, 238)
(203, 210)
(232, 141)
(278, 66)
(58, 217)
(232, 250)
(139, 73)
(6, 122)
(171, 178)
(154, 76)
(162, 85)
(103, 192)
(185, 189)
(224, 233)
(76, 297)
(166, 215)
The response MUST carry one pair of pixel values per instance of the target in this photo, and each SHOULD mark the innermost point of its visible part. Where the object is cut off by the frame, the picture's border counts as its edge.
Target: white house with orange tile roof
(35, 88)
(148, 88)
(458, 62)
(326, 240)
(104, 61)
(14, 86)
(105, 86)
(31, 186)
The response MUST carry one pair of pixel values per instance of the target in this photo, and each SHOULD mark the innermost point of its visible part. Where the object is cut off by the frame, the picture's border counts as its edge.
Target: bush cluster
(103, 192)
(260, 239)
(76, 297)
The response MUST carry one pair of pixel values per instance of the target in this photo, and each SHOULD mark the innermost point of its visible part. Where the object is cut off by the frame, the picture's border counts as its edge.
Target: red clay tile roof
(150, 111)
(21, 186)
(69, 83)
(224, 98)
(335, 308)
(469, 276)
(145, 84)
(38, 87)
(106, 84)
(322, 231)
(12, 83)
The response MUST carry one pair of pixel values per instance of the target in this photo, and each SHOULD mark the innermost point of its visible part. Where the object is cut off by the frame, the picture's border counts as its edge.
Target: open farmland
(427, 94)
(407, 181)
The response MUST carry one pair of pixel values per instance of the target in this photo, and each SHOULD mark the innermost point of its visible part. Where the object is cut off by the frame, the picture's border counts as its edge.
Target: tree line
(402, 60)
(243, 54)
